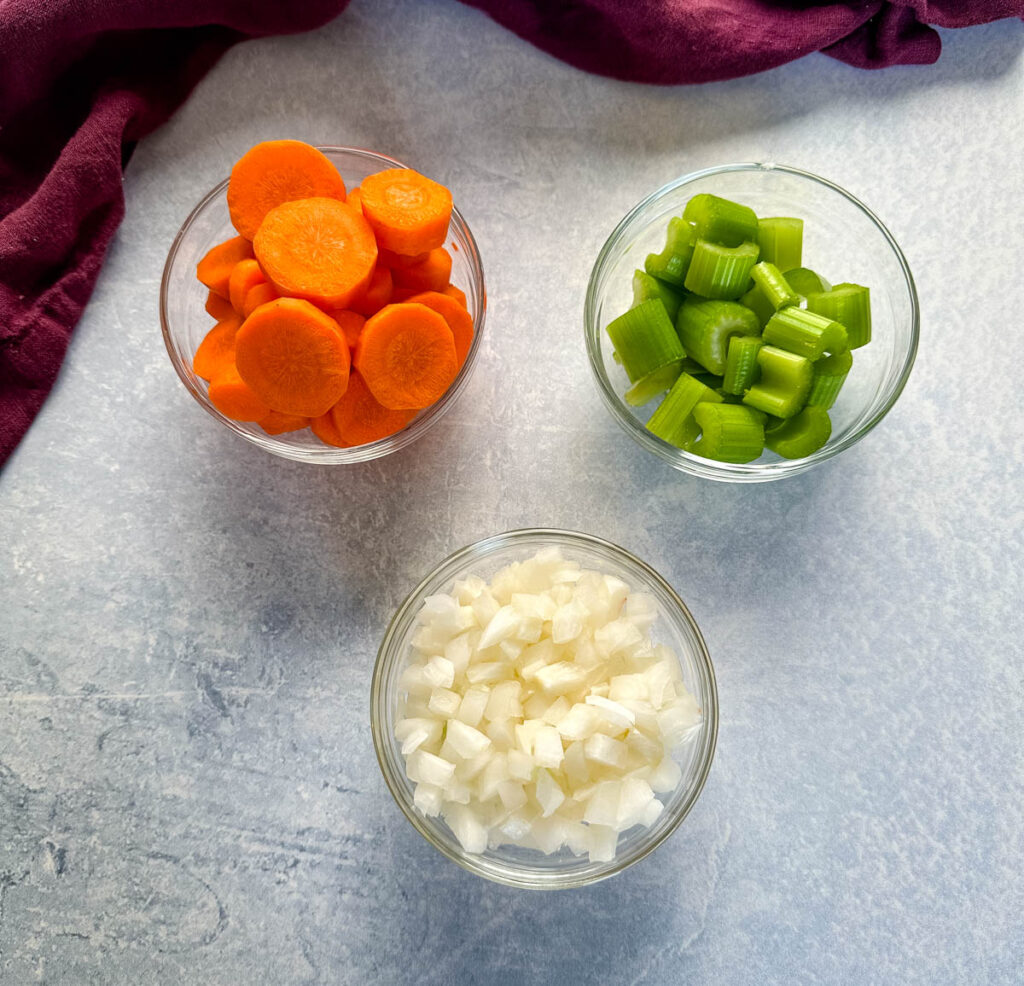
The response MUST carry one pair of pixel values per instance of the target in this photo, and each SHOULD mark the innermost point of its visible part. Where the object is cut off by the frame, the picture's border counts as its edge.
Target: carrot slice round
(351, 325)
(360, 419)
(457, 293)
(234, 398)
(214, 270)
(293, 356)
(377, 293)
(458, 319)
(408, 212)
(406, 354)
(220, 308)
(429, 275)
(355, 199)
(277, 423)
(246, 275)
(324, 428)
(217, 351)
(319, 249)
(277, 171)
(258, 294)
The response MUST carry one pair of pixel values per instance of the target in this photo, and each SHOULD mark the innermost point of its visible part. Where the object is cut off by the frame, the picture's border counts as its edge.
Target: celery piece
(774, 287)
(755, 300)
(729, 432)
(805, 333)
(692, 367)
(712, 380)
(705, 328)
(781, 239)
(718, 271)
(721, 221)
(656, 382)
(848, 304)
(829, 376)
(646, 287)
(645, 339)
(784, 384)
(671, 264)
(741, 369)
(673, 421)
(804, 281)
(799, 436)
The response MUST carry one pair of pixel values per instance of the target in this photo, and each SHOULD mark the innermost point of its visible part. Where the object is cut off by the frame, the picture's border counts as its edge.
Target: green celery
(829, 375)
(781, 239)
(804, 281)
(741, 369)
(773, 285)
(645, 339)
(805, 333)
(705, 328)
(729, 432)
(720, 272)
(801, 435)
(849, 304)
(784, 384)
(671, 264)
(656, 382)
(673, 420)
(721, 221)
(755, 300)
(646, 287)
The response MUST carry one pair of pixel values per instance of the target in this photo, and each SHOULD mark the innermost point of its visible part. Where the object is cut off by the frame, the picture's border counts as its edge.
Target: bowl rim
(388, 654)
(753, 472)
(329, 455)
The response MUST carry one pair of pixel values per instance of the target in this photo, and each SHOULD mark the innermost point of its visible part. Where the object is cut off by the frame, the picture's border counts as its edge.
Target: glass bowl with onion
(544, 709)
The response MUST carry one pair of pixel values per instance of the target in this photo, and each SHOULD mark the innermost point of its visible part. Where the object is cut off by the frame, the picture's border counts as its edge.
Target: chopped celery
(656, 382)
(849, 304)
(800, 435)
(671, 264)
(781, 239)
(804, 281)
(829, 375)
(720, 221)
(718, 271)
(646, 287)
(755, 300)
(712, 380)
(729, 432)
(784, 384)
(673, 420)
(741, 369)
(773, 285)
(805, 333)
(705, 328)
(645, 339)
(691, 366)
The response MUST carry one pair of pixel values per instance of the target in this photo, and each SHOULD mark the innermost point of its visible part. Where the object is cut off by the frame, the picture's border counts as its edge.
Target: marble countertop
(188, 790)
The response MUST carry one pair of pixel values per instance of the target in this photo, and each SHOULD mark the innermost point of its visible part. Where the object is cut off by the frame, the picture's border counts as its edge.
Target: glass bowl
(185, 321)
(675, 627)
(843, 239)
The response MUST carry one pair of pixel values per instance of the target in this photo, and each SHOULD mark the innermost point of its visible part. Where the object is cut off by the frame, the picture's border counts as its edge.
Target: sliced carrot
(457, 293)
(293, 356)
(215, 268)
(391, 259)
(430, 275)
(351, 325)
(408, 212)
(377, 295)
(278, 171)
(360, 418)
(458, 319)
(401, 295)
(355, 199)
(326, 430)
(258, 294)
(319, 249)
(234, 398)
(220, 308)
(406, 354)
(217, 350)
(246, 275)
(277, 423)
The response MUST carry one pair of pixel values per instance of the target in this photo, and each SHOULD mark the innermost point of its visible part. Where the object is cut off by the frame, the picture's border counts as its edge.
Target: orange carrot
(458, 319)
(350, 323)
(319, 249)
(355, 199)
(430, 275)
(360, 419)
(217, 350)
(278, 171)
(219, 307)
(215, 268)
(391, 259)
(258, 294)
(233, 397)
(246, 275)
(406, 354)
(457, 293)
(277, 423)
(293, 356)
(377, 295)
(401, 295)
(409, 213)
(324, 428)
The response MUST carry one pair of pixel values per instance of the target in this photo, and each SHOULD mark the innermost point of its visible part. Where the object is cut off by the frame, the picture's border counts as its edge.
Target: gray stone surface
(188, 791)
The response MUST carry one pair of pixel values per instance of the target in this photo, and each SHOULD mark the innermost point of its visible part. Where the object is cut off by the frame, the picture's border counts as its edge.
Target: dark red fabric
(82, 80)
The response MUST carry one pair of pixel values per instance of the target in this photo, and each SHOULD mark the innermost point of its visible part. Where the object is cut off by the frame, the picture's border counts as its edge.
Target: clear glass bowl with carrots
(326, 304)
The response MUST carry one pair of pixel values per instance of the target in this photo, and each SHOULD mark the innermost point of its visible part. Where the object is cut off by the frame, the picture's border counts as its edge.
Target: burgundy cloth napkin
(82, 80)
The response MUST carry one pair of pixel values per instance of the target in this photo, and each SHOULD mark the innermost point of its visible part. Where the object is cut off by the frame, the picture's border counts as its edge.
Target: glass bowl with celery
(749, 321)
